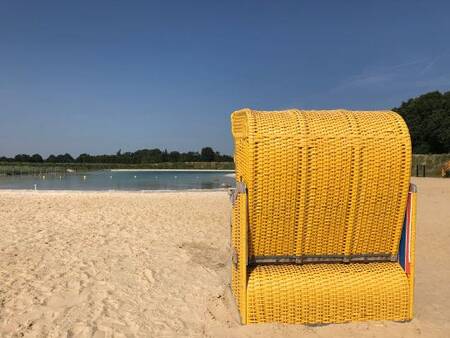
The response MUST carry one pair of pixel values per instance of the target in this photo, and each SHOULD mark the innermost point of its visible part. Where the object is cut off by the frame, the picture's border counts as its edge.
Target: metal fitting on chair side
(240, 189)
(255, 260)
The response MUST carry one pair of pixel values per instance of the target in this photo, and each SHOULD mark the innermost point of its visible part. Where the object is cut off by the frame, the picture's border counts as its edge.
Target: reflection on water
(122, 180)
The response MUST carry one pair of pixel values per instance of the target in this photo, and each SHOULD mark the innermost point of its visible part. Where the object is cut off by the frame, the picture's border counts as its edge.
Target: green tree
(207, 154)
(174, 156)
(148, 156)
(22, 158)
(66, 158)
(36, 158)
(190, 156)
(165, 156)
(84, 158)
(428, 120)
(51, 159)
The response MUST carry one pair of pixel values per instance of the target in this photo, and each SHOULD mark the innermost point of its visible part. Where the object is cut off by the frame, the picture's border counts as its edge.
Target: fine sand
(118, 264)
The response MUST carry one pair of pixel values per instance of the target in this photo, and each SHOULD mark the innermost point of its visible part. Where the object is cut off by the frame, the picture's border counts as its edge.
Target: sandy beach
(122, 264)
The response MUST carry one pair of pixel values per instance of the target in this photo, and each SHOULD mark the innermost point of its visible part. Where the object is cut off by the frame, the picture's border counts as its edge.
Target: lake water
(123, 180)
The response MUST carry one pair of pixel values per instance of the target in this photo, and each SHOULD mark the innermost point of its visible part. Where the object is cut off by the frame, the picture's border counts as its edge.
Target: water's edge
(226, 190)
(124, 180)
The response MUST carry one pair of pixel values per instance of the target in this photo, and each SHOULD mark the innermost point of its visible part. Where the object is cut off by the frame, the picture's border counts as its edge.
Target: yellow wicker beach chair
(323, 217)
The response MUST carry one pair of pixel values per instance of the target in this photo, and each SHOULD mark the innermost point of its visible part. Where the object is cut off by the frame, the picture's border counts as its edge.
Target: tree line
(207, 154)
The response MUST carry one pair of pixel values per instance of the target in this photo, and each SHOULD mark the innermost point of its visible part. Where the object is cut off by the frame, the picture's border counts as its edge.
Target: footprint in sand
(205, 255)
(149, 276)
(80, 330)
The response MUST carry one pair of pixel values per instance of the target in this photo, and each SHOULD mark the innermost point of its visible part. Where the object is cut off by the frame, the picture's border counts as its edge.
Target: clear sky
(98, 76)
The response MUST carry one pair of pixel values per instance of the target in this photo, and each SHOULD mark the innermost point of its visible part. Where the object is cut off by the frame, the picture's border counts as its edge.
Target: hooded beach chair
(323, 217)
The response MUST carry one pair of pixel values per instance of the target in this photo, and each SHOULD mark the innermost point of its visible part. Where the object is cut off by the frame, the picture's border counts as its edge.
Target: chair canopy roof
(323, 183)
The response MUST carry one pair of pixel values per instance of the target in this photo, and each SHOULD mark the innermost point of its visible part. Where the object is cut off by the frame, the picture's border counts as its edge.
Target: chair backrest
(326, 185)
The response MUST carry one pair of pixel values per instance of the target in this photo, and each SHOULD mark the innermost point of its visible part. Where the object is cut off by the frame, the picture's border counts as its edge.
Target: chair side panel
(239, 254)
(412, 272)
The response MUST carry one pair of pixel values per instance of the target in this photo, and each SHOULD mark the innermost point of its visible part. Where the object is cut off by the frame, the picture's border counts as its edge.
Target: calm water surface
(122, 180)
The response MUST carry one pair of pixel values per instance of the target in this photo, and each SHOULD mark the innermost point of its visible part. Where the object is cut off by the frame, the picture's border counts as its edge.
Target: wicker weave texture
(235, 248)
(327, 293)
(239, 249)
(323, 182)
(411, 277)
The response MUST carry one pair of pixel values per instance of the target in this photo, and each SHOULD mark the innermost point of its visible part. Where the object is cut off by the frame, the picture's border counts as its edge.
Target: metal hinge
(240, 189)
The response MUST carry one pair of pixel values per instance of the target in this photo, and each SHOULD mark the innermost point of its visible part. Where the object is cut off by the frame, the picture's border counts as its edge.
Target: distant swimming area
(132, 180)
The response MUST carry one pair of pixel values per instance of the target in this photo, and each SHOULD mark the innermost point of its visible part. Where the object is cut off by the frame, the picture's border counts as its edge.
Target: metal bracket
(240, 189)
(322, 259)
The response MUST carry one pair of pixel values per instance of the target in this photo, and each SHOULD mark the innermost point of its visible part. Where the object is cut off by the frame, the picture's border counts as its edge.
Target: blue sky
(98, 76)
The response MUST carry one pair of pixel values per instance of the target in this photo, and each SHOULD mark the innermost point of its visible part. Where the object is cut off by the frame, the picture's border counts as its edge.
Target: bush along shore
(18, 168)
(206, 159)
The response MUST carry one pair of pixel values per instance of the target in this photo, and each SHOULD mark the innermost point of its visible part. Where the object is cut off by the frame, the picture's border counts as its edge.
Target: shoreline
(172, 170)
(112, 191)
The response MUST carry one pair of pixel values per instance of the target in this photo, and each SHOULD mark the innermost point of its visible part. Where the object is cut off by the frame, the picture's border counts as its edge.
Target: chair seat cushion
(327, 293)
